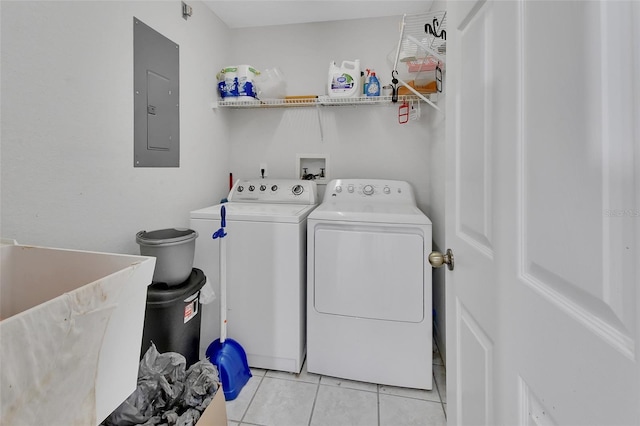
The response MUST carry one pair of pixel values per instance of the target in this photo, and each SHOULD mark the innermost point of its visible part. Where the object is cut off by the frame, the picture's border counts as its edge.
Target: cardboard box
(216, 413)
(70, 331)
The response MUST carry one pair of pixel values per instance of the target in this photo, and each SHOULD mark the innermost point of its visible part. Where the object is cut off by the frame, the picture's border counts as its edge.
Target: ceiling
(259, 13)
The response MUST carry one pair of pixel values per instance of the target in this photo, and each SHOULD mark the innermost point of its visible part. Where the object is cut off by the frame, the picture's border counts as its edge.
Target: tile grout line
(378, 396)
(435, 382)
(298, 380)
(246, 410)
(434, 377)
(315, 399)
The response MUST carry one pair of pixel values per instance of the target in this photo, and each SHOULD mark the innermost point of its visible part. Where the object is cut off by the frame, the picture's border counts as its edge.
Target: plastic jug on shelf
(344, 80)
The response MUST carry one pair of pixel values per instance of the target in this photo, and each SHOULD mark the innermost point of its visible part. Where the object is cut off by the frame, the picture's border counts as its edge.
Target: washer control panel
(293, 191)
(373, 190)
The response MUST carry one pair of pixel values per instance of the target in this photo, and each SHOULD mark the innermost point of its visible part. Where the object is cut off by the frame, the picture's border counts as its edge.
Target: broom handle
(223, 290)
(223, 275)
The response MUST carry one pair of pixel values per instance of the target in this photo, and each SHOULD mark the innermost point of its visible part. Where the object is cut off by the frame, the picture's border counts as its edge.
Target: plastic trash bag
(207, 295)
(167, 394)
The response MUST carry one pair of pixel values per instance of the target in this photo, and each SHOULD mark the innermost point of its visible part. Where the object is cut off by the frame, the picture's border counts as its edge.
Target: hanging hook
(394, 86)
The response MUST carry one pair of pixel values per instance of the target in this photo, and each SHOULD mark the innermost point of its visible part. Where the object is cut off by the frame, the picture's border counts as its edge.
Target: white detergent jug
(344, 80)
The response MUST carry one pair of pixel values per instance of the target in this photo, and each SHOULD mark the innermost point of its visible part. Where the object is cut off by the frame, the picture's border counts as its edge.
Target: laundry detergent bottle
(344, 80)
(373, 86)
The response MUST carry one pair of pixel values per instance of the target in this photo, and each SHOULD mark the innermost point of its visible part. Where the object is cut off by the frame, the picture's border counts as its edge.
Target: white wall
(363, 141)
(437, 214)
(67, 123)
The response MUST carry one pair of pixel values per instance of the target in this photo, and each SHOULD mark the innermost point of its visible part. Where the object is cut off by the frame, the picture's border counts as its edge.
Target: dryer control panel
(291, 191)
(372, 190)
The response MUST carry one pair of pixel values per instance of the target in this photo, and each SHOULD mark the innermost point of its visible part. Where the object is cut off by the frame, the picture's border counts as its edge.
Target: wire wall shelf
(421, 49)
(319, 101)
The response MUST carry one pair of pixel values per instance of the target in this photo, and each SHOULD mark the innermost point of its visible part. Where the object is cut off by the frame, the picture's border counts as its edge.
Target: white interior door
(543, 212)
(472, 289)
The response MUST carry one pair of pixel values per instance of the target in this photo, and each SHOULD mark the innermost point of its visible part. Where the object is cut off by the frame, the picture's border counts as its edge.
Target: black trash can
(172, 317)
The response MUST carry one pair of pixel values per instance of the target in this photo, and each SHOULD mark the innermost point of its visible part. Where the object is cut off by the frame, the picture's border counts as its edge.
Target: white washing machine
(369, 285)
(266, 269)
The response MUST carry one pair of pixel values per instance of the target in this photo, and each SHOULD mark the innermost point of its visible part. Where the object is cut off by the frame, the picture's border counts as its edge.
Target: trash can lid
(161, 294)
(165, 236)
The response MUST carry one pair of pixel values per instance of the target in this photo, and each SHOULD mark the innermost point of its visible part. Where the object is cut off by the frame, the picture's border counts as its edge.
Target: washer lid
(256, 212)
(370, 212)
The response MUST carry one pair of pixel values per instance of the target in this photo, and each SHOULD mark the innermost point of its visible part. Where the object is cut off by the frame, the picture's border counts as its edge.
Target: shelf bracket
(414, 25)
(320, 122)
(418, 94)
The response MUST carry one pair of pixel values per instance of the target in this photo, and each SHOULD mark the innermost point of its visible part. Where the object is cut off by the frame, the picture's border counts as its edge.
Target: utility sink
(70, 333)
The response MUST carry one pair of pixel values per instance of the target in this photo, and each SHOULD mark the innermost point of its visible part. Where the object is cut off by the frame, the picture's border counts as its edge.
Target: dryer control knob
(263, 187)
(367, 190)
(251, 187)
(338, 188)
(387, 190)
(350, 188)
(274, 188)
(297, 190)
(240, 188)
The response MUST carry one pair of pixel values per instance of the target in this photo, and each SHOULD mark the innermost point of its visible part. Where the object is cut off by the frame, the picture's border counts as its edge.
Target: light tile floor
(275, 398)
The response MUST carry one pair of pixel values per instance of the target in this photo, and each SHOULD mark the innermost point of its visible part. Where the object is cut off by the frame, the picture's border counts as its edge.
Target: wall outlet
(263, 170)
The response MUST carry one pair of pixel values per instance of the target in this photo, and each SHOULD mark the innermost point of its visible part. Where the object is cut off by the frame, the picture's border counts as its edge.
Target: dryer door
(373, 272)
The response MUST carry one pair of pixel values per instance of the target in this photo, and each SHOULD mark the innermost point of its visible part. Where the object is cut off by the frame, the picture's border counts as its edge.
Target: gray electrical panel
(156, 108)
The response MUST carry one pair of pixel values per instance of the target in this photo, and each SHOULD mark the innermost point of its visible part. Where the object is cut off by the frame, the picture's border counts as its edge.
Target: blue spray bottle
(373, 87)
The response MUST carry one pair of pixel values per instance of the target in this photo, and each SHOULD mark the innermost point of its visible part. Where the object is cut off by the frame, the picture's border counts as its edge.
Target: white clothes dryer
(369, 285)
(266, 269)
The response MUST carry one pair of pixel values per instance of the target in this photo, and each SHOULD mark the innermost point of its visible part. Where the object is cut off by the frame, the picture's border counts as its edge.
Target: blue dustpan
(231, 361)
(227, 354)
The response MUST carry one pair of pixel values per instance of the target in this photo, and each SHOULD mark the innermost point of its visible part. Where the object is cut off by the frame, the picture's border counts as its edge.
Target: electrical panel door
(156, 98)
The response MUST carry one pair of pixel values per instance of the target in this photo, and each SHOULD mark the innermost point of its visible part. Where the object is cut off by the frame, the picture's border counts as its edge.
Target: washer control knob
(263, 187)
(350, 188)
(367, 190)
(251, 187)
(274, 188)
(387, 190)
(297, 189)
(338, 189)
(240, 188)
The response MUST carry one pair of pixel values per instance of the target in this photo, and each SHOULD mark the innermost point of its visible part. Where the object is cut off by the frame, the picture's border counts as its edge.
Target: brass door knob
(437, 259)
